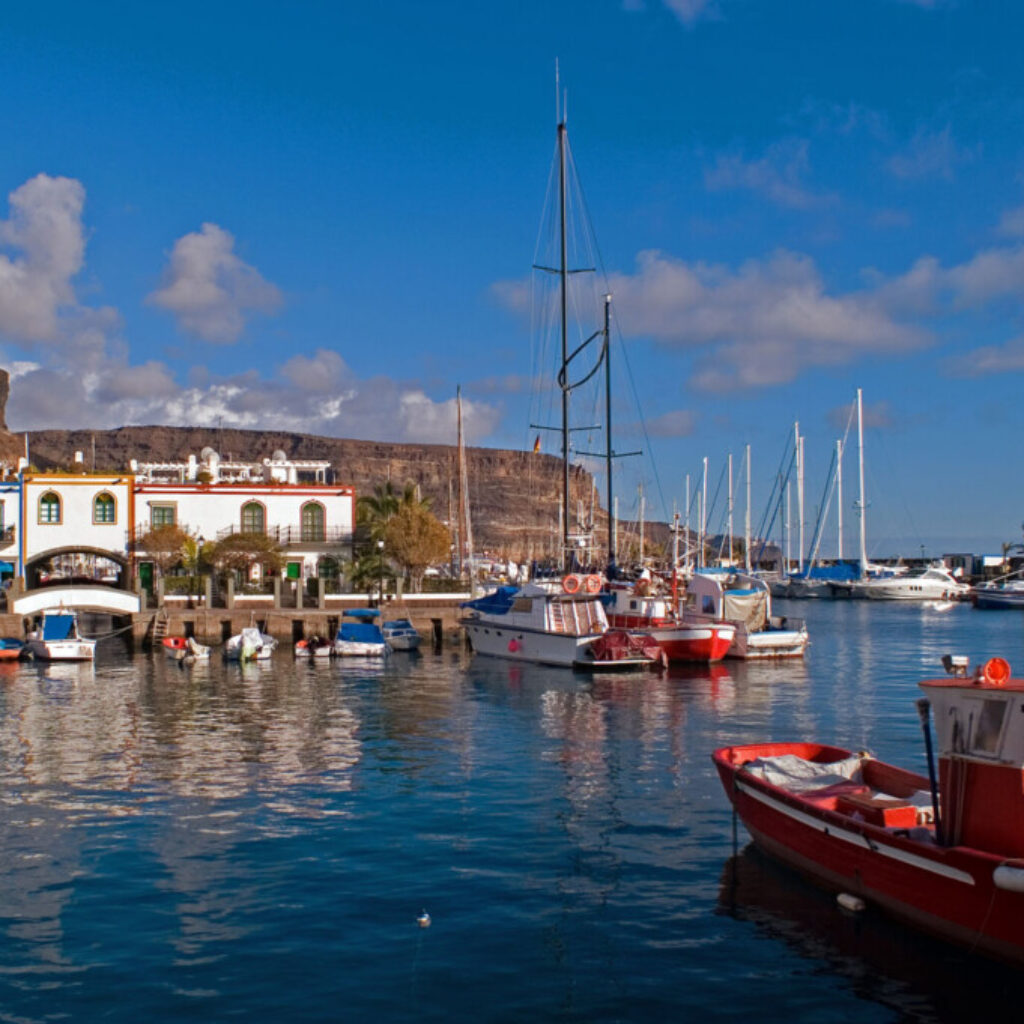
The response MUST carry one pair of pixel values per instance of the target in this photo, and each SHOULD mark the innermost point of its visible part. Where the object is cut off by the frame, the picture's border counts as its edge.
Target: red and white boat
(633, 609)
(944, 853)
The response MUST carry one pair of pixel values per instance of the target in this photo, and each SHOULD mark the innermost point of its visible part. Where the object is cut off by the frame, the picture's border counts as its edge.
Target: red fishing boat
(945, 852)
(634, 609)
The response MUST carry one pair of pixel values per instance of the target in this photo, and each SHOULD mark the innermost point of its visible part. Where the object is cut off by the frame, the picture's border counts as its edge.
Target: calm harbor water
(224, 842)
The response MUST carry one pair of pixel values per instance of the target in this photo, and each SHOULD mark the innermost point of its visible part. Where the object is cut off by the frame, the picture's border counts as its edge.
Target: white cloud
(1011, 223)
(1005, 358)
(777, 175)
(70, 366)
(689, 12)
(928, 154)
(762, 324)
(210, 289)
(45, 231)
(678, 423)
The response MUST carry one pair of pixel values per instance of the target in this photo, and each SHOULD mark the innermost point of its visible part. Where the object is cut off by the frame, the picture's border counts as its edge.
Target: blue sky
(321, 217)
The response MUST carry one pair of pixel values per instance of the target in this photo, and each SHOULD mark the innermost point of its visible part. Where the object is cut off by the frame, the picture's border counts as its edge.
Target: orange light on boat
(996, 671)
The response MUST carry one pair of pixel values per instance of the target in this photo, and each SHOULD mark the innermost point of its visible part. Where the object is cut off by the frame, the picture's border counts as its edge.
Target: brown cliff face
(11, 445)
(514, 495)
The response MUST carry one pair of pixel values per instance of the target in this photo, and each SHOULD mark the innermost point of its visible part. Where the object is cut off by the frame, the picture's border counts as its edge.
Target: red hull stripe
(855, 838)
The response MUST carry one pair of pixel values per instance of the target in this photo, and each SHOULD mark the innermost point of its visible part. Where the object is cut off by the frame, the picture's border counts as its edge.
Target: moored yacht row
(720, 614)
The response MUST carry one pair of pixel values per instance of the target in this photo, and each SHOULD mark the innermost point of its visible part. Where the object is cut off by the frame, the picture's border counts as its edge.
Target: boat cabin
(979, 727)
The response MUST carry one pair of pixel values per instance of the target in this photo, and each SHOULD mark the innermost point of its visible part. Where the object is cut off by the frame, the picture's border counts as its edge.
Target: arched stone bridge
(114, 596)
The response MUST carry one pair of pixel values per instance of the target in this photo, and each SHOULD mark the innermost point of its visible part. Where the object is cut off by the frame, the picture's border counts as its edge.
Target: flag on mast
(536, 445)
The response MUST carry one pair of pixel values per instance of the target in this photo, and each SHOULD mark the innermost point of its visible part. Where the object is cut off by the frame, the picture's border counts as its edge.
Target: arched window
(253, 518)
(313, 522)
(104, 509)
(49, 508)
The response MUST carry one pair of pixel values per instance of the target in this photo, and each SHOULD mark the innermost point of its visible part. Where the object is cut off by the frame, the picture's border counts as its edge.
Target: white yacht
(936, 583)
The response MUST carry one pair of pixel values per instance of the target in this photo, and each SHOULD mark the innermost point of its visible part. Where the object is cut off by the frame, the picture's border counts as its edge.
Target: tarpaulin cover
(496, 603)
(746, 606)
(58, 627)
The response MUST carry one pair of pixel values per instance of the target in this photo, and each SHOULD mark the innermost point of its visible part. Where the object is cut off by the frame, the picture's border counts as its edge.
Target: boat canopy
(59, 627)
(367, 614)
(496, 603)
(359, 632)
(841, 572)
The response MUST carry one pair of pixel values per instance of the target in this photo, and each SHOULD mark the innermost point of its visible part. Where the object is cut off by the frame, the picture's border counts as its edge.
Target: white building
(288, 500)
(83, 513)
(68, 520)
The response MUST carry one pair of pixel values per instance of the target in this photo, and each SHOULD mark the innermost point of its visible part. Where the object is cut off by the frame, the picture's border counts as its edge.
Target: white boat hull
(357, 649)
(768, 643)
(528, 645)
(62, 650)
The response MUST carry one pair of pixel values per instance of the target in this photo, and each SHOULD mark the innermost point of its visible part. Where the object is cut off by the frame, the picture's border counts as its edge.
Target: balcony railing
(7, 536)
(286, 536)
(289, 536)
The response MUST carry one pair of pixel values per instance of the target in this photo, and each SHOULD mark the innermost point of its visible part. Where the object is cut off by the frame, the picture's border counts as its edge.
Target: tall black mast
(609, 453)
(563, 277)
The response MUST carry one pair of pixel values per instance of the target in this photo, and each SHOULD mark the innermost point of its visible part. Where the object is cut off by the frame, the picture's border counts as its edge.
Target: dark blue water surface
(257, 843)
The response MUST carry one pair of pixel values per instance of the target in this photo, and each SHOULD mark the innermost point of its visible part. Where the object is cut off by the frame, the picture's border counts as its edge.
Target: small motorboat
(361, 637)
(313, 647)
(944, 853)
(249, 645)
(10, 648)
(58, 638)
(401, 635)
(181, 648)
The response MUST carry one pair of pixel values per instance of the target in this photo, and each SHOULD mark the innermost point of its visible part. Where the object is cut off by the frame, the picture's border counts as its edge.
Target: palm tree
(374, 510)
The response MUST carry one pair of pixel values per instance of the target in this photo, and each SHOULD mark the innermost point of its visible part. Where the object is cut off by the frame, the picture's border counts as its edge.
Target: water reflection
(881, 960)
(205, 730)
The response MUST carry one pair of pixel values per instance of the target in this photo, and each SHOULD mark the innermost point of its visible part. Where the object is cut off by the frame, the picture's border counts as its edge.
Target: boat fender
(996, 671)
(1008, 878)
(513, 645)
(850, 902)
(593, 584)
(571, 583)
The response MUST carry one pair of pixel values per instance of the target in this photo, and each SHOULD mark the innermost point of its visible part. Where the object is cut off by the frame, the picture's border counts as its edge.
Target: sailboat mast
(609, 454)
(839, 494)
(798, 448)
(703, 513)
(746, 521)
(563, 281)
(730, 508)
(687, 512)
(861, 501)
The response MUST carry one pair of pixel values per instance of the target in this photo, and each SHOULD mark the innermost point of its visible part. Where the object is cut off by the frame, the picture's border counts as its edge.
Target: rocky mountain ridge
(514, 495)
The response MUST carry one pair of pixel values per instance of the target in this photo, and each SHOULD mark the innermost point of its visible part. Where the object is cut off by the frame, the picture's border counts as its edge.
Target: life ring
(571, 584)
(996, 671)
(592, 584)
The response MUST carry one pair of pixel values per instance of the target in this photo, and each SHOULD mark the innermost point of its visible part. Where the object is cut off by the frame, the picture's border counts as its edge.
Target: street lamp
(380, 562)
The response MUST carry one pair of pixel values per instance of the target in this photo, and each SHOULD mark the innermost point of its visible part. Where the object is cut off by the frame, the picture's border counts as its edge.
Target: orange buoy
(593, 584)
(996, 671)
(571, 583)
